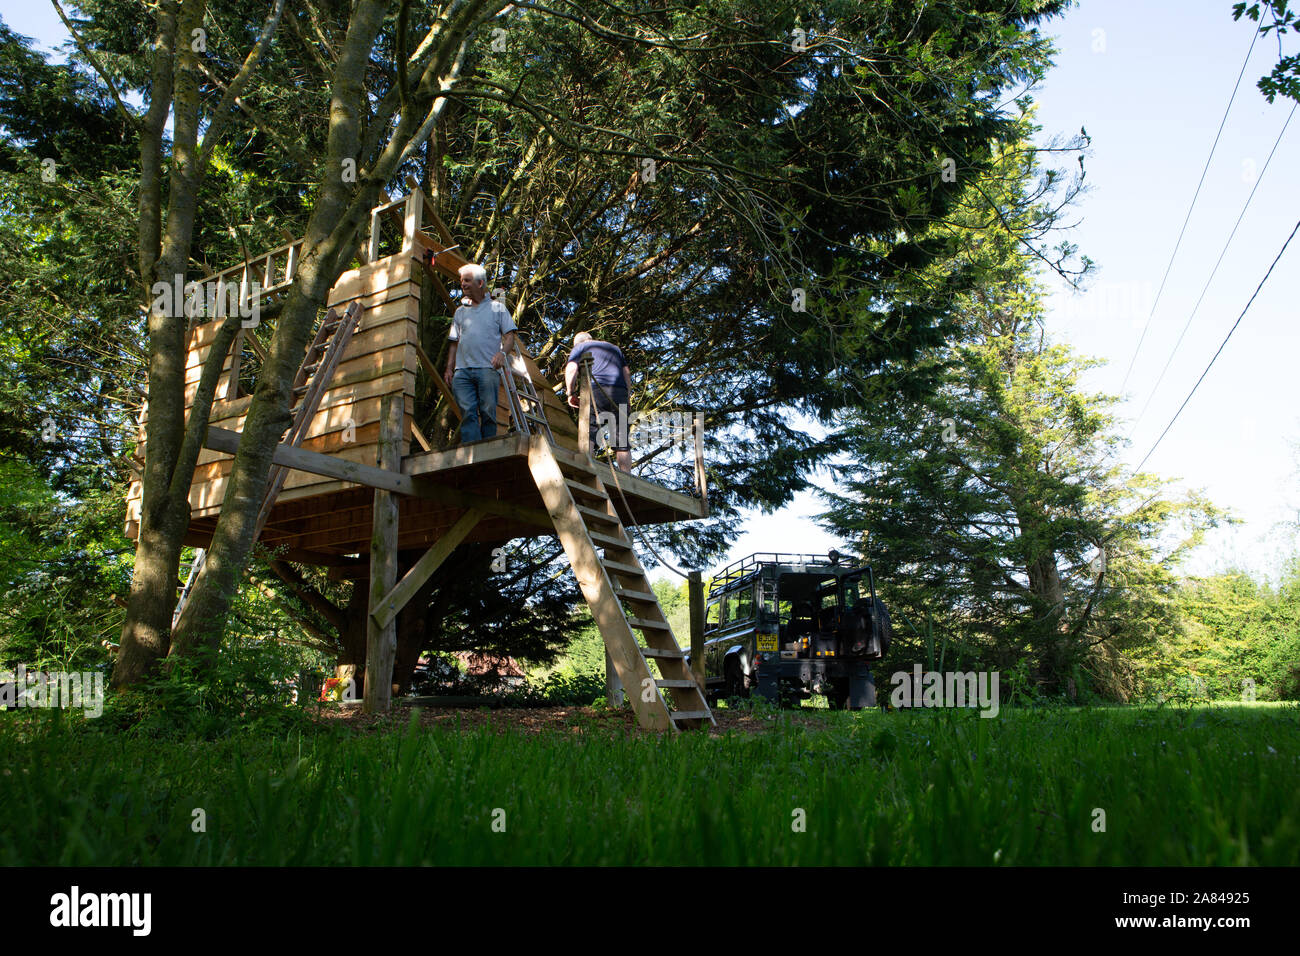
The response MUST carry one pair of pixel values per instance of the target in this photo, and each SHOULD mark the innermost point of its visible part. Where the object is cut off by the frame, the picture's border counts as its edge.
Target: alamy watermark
(648, 431)
(208, 300)
(45, 689)
(948, 689)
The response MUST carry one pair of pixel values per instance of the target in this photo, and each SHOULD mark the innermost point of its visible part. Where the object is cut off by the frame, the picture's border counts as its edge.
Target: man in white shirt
(482, 333)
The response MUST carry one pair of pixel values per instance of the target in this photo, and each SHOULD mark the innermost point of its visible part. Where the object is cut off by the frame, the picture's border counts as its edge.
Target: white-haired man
(482, 333)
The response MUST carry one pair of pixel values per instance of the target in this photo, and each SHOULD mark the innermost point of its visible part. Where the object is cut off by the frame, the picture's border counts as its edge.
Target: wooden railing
(275, 270)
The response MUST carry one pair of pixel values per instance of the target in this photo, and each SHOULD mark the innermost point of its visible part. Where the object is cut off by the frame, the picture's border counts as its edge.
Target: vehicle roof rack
(736, 572)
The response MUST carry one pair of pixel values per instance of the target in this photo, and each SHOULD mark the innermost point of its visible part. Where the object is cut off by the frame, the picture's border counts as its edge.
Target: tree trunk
(333, 226)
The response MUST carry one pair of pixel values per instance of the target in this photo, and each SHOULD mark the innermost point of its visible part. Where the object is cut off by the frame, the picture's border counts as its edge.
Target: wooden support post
(381, 640)
(585, 410)
(701, 482)
(695, 589)
(411, 220)
(372, 250)
(386, 610)
(613, 685)
(421, 439)
(236, 352)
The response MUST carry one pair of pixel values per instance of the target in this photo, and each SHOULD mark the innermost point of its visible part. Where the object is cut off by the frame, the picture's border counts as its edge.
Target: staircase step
(664, 652)
(642, 623)
(674, 682)
(636, 595)
(596, 515)
(580, 467)
(689, 714)
(576, 486)
(609, 541)
(622, 568)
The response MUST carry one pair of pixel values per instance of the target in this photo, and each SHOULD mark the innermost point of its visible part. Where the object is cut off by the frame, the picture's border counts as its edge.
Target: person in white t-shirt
(482, 334)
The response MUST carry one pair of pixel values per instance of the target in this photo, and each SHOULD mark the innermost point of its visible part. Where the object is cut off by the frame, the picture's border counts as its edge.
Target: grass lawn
(1177, 786)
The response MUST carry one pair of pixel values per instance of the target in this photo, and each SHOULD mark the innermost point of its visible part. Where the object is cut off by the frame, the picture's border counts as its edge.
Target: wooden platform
(492, 475)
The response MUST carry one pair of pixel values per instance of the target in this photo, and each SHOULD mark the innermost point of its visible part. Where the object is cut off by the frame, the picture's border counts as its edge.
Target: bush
(209, 695)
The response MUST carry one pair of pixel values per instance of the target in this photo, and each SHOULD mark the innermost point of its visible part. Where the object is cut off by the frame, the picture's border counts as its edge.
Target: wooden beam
(299, 459)
(420, 437)
(446, 259)
(427, 364)
(412, 214)
(613, 684)
(221, 439)
(383, 613)
(436, 281)
(236, 352)
(701, 479)
(381, 639)
(494, 449)
(585, 410)
(438, 224)
(695, 592)
(425, 488)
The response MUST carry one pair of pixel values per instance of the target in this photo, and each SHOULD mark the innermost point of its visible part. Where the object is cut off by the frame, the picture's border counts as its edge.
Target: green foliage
(248, 685)
(1237, 633)
(570, 689)
(61, 563)
(1284, 78)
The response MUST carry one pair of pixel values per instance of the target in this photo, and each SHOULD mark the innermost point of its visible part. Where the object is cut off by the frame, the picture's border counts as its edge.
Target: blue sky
(1150, 80)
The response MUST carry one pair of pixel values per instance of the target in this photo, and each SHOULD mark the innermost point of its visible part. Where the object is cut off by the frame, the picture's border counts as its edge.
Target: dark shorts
(613, 400)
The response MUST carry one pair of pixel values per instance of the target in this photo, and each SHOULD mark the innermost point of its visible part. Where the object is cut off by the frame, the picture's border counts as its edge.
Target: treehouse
(357, 481)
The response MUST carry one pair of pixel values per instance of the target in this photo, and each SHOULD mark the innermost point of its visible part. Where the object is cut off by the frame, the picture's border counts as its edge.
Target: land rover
(787, 626)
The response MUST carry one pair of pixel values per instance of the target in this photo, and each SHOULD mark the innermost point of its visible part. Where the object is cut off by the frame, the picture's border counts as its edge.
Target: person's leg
(489, 384)
(604, 419)
(622, 450)
(466, 391)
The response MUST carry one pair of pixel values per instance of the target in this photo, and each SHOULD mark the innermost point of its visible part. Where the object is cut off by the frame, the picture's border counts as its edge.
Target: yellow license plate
(767, 642)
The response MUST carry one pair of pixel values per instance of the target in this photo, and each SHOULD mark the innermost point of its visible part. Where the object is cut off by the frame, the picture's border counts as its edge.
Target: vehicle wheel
(735, 683)
(838, 696)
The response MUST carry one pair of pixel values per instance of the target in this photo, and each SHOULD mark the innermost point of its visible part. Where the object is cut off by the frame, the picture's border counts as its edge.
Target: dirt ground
(581, 721)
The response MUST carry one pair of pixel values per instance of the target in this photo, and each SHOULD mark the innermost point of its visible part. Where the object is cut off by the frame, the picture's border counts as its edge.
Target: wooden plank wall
(379, 360)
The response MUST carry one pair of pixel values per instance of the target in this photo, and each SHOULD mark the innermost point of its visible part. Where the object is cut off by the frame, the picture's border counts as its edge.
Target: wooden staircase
(616, 588)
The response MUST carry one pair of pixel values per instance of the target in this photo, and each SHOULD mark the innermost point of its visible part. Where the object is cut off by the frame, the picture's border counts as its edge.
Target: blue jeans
(476, 392)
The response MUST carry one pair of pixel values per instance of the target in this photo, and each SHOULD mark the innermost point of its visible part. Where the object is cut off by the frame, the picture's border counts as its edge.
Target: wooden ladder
(618, 591)
(313, 378)
(526, 408)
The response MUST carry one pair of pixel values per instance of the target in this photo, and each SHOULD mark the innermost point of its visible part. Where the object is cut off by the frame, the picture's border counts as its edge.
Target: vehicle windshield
(853, 591)
(807, 602)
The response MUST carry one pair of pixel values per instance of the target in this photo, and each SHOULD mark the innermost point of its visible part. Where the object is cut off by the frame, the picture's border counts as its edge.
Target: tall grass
(1213, 785)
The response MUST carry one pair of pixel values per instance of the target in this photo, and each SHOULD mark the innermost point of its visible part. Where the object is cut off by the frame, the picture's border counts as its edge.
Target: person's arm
(453, 333)
(507, 347)
(570, 378)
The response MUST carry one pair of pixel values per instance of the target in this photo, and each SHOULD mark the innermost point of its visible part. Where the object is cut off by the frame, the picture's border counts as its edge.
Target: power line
(1213, 271)
(1220, 350)
(1188, 217)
